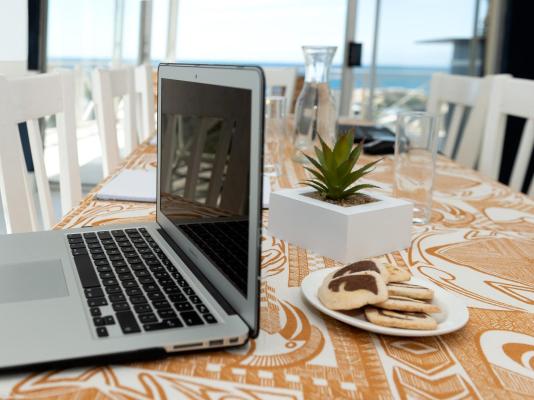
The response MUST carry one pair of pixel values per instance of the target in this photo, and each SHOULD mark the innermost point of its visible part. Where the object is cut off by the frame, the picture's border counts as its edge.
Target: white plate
(453, 316)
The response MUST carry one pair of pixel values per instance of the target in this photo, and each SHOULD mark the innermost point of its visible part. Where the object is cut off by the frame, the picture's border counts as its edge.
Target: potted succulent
(334, 215)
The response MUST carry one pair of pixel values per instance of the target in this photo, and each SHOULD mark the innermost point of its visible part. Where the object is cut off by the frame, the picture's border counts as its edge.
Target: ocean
(390, 76)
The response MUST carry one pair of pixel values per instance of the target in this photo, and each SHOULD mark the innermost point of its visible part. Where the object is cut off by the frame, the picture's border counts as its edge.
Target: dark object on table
(377, 139)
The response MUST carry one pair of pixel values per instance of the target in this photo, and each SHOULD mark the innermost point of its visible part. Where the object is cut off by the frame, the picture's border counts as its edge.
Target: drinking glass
(275, 134)
(415, 160)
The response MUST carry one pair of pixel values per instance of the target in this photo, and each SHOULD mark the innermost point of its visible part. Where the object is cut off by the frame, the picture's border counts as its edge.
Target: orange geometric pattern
(479, 245)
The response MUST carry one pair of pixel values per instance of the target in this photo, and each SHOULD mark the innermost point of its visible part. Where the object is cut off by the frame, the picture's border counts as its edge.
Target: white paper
(131, 185)
(266, 191)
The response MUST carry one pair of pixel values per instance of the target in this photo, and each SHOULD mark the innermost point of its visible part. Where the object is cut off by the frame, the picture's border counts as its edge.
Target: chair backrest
(144, 88)
(282, 78)
(107, 85)
(467, 94)
(509, 97)
(26, 100)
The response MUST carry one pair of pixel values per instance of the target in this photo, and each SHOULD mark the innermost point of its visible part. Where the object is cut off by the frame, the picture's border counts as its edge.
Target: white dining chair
(144, 88)
(467, 96)
(27, 99)
(509, 97)
(282, 78)
(109, 84)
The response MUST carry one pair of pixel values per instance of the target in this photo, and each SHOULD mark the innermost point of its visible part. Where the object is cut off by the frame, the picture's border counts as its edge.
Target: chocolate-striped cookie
(397, 274)
(410, 290)
(399, 319)
(347, 292)
(362, 266)
(399, 303)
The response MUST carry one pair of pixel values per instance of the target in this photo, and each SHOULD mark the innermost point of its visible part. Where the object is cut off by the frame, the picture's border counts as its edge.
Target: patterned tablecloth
(479, 245)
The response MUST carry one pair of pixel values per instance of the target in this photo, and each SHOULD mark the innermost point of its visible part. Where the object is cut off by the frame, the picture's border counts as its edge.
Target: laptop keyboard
(128, 281)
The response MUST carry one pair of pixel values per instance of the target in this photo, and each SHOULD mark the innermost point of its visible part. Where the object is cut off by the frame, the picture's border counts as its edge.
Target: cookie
(362, 266)
(399, 303)
(410, 290)
(347, 292)
(399, 319)
(397, 274)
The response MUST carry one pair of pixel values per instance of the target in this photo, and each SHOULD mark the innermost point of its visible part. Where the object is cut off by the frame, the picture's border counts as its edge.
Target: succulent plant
(334, 178)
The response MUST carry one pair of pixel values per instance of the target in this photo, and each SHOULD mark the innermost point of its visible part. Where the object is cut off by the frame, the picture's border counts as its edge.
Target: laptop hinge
(198, 274)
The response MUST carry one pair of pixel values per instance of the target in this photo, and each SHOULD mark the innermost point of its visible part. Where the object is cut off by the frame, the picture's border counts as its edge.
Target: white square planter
(345, 234)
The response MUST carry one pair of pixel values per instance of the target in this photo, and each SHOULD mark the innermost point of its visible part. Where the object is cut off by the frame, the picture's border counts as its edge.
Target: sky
(270, 31)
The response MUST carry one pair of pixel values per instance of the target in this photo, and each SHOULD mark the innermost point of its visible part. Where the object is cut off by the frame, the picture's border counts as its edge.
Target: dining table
(478, 245)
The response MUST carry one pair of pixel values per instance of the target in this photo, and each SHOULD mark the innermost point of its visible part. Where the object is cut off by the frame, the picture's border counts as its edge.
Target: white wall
(13, 35)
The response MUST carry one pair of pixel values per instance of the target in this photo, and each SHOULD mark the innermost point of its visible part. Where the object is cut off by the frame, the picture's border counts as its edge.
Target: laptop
(189, 280)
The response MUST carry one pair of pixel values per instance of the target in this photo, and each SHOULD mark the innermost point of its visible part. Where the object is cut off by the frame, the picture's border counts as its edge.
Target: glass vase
(315, 109)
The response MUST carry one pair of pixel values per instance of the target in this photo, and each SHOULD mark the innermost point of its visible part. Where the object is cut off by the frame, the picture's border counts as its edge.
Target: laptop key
(126, 277)
(177, 298)
(106, 275)
(138, 299)
(154, 296)
(161, 304)
(151, 287)
(117, 298)
(202, 308)
(95, 312)
(117, 232)
(102, 331)
(110, 282)
(127, 322)
(103, 268)
(122, 270)
(89, 235)
(101, 262)
(77, 246)
(98, 256)
(166, 324)
(191, 318)
(134, 291)
(166, 313)
(109, 320)
(86, 272)
(120, 307)
(184, 306)
(74, 236)
(129, 284)
(98, 302)
(195, 300)
(142, 308)
(93, 292)
(148, 318)
(113, 289)
(210, 319)
(171, 290)
(99, 321)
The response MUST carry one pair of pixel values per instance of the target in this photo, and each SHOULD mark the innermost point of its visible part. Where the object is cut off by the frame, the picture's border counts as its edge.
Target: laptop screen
(205, 168)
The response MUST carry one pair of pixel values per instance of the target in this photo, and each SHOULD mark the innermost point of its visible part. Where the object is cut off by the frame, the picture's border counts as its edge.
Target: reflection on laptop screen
(204, 178)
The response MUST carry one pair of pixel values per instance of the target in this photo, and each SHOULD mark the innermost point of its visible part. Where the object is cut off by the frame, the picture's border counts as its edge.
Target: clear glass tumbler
(275, 135)
(415, 160)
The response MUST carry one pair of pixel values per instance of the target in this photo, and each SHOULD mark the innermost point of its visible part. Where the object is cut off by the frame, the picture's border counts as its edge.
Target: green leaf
(357, 188)
(317, 174)
(319, 154)
(342, 148)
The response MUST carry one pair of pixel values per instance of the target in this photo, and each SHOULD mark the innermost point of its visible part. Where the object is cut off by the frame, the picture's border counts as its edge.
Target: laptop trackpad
(32, 281)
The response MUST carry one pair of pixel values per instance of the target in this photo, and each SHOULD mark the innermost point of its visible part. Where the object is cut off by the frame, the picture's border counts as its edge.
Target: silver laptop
(187, 281)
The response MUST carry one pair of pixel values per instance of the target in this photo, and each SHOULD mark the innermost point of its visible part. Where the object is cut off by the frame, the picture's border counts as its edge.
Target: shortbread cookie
(410, 290)
(362, 266)
(347, 292)
(399, 319)
(397, 274)
(399, 303)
